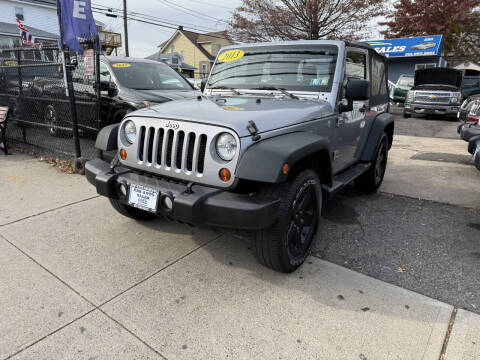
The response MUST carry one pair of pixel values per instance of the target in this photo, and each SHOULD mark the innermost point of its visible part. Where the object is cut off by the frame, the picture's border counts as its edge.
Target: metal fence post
(78, 162)
(20, 91)
(73, 108)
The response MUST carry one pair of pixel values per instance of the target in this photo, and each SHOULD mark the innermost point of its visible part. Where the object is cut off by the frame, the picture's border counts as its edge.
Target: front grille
(180, 150)
(172, 150)
(432, 98)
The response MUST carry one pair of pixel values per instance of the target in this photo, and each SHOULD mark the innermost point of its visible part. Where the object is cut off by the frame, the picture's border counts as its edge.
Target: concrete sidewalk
(432, 169)
(79, 281)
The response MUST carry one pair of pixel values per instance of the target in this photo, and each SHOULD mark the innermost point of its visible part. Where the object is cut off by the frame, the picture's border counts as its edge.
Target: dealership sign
(408, 47)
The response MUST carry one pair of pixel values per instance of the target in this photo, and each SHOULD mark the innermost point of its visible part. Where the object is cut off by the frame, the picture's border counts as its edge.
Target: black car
(474, 149)
(126, 84)
(470, 119)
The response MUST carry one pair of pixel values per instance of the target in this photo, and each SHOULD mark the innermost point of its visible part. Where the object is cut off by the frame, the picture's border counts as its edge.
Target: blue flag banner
(77, 23)
(430, 45)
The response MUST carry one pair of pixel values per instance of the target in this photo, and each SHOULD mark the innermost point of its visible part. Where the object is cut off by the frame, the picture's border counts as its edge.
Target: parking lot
(387, 274)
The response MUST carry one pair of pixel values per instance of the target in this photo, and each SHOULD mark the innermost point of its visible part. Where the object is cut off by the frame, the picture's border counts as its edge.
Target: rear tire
(372, 179)
(285, 245)
(131, 212)
(52, 121)
(406, 115)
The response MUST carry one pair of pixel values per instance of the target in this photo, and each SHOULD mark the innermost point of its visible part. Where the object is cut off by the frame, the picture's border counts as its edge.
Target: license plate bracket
(143, 197)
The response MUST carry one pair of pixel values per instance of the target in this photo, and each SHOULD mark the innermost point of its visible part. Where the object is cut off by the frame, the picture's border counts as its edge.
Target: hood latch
(253, 130)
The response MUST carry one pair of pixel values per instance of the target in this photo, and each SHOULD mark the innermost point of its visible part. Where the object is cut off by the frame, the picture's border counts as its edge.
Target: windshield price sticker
(231, 55)
(121, 65)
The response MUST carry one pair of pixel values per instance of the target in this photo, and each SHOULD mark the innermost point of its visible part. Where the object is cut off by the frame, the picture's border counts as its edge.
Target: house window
(425, 66)
(183, 56)
(19, 13)
(204, 70)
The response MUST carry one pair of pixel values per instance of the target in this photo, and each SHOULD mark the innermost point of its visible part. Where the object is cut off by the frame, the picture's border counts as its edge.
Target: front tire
(285, 245)
(131, 212)
(372, 179)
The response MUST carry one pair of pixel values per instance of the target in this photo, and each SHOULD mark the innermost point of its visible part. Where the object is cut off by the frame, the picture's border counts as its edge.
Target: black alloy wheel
(304, 221)
(285, 245)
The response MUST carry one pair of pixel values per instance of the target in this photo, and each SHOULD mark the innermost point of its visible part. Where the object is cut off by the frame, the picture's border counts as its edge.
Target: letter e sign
(79, 9)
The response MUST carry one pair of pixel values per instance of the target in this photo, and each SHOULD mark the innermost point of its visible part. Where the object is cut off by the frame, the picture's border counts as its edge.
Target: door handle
(340, 121)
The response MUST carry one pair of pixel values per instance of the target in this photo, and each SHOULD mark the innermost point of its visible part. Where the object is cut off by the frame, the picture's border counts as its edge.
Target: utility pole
(125, 27)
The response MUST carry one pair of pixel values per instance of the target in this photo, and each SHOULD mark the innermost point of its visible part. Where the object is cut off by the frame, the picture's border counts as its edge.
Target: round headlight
(226, 146)
(130, 131)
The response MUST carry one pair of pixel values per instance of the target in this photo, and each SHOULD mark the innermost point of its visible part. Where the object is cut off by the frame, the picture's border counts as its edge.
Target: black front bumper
(202, 206)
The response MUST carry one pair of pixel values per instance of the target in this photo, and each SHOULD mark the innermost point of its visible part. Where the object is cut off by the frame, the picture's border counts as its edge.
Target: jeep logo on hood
(172, 125)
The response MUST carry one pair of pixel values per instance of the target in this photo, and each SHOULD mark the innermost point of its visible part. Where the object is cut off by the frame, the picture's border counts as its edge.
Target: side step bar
(346, 177)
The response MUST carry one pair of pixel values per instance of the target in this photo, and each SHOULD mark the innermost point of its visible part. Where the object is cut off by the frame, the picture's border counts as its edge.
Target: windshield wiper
(283, 91)
(225, 88)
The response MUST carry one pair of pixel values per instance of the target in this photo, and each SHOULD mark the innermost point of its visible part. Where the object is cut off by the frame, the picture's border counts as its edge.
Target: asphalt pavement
(424, 246)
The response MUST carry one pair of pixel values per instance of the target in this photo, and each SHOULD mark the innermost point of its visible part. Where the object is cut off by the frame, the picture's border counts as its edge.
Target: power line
(189, 11)
(118, 13)
(143, 18)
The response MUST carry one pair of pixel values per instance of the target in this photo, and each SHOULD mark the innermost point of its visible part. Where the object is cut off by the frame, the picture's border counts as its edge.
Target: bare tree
(267, 20)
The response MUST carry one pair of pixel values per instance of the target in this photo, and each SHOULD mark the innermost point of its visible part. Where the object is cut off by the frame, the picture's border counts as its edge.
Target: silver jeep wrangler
(277, 127)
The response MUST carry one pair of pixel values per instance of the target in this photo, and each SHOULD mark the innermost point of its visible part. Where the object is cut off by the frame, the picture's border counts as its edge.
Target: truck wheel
(285, 245)
(131, 212)
(371, 180)
(52, 121)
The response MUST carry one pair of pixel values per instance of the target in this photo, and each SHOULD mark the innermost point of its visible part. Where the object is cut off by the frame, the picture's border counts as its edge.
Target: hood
(235, 112)
(159, 96)
(438, 77)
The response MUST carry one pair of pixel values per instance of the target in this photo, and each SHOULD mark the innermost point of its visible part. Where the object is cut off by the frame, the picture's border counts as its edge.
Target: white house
(39, 16)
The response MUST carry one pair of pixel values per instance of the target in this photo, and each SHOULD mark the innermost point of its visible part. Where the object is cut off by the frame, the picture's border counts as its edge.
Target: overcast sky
(204, 15)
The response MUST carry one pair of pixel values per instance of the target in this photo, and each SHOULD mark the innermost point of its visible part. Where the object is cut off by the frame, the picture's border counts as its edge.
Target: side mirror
(355, 90)
(203, 84)
(106, 86)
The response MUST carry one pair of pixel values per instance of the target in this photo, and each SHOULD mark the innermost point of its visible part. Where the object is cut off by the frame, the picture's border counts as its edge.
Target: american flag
(25, 35)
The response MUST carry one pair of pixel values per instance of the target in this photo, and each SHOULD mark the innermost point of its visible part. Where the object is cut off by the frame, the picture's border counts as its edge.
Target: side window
(379, 86)
(356, 65)
(104, 73)
(424, 66)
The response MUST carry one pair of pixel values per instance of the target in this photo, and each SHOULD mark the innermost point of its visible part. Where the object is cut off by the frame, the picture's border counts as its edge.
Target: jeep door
(350, 125)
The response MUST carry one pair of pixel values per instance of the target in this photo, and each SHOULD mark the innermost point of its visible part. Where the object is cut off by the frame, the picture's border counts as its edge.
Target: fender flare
(107, 138)
(379, 126)
(264, 160)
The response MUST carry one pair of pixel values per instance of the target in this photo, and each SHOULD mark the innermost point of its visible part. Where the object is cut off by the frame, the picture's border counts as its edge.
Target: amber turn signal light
(286, 169)
(225, 175)
(123, 154)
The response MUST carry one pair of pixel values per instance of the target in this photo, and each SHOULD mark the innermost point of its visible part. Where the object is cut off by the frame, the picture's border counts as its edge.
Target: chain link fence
(33, 85)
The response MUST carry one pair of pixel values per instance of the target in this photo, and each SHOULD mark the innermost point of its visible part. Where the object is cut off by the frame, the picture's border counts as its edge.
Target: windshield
(406, 81)
(306, 68)
(148, 76)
